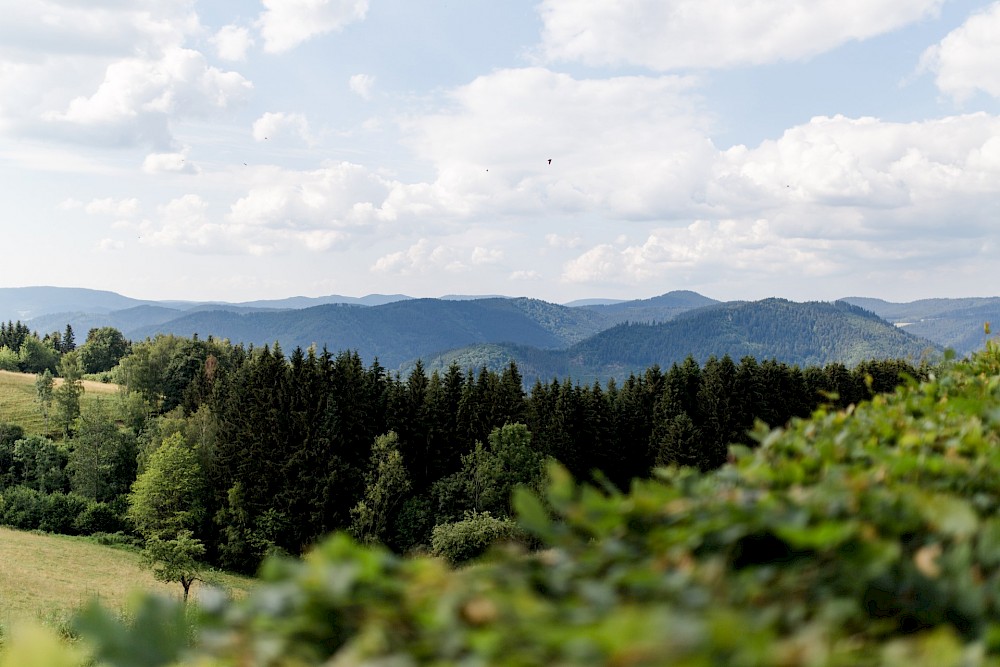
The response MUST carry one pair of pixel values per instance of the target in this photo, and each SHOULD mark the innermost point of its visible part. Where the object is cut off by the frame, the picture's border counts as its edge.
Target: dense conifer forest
(278, 450)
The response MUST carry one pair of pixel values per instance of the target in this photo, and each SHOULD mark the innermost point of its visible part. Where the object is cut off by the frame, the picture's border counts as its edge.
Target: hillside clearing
(18, 404)
(47, 577)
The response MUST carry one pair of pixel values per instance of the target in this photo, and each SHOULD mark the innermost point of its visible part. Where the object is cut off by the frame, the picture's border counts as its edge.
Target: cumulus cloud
(53, 53)
(825, 196)
(481, 255)
(110, 245)
(965, 61)
(95, 28)
(703, 248)
(287, 23)
(361, 85)
(617, 146)
(232, 42)
(425, 256)
(138, 96)
(167, 163)
(338, 196)
(561, 241)
(864, 164)
(276, 125)
(671, 34)
(105, 206)
(110, 206)
(185, 222)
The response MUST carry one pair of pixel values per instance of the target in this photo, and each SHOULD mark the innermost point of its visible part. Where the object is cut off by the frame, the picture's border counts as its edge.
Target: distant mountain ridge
(804, 334)
(593, 339)
(957, 324)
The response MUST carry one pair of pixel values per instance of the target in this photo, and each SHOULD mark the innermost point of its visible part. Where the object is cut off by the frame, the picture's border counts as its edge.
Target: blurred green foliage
(860, 537)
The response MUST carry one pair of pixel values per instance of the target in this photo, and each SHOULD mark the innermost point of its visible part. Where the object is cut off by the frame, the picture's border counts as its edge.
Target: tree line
(24, 350)
(254, 451)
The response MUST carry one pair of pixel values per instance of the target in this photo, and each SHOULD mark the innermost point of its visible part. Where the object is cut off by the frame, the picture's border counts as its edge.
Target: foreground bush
(868, 537)
(469, 538)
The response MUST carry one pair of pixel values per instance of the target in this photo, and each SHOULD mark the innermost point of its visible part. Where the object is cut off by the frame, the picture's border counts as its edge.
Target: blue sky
(807, 149)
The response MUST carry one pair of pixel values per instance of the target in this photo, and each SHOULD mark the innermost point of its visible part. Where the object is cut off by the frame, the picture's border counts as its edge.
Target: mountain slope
(395, 332)
(806, 334)
(24, 303)
(951, 323)
(657, 309)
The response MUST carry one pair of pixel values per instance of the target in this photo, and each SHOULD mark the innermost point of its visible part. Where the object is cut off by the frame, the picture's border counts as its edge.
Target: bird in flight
(550, 160)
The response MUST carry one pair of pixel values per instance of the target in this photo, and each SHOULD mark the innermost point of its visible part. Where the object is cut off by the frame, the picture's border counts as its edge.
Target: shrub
(23, 508)
(60, 512)
(119, 539)
(98, 517)
(472, 536)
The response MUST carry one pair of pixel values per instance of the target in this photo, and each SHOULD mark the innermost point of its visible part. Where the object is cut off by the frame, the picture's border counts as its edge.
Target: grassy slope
(46, 577)
(18, 405)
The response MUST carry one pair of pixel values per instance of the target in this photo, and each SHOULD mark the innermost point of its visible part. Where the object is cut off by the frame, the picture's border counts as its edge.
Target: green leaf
(531, 513)
(950, 515)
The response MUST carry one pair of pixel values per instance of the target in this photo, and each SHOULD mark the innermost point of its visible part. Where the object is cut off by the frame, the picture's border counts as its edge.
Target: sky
(556, 149)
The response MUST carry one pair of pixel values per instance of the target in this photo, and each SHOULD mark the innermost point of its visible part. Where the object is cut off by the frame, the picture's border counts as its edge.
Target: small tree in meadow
(175, 559)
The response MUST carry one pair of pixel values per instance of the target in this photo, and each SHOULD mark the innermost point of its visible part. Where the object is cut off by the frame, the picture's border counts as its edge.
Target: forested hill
(657, 309)
(396, 332)
(804, 334)
(954, 323)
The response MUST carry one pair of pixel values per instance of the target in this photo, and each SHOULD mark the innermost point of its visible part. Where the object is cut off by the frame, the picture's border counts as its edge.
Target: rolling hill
(952, 323)
(806, 334)
(396, 332)
(594, 340)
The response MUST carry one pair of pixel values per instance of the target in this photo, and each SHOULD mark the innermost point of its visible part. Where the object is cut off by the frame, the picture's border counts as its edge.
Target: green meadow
(18, 404)
(47, 577)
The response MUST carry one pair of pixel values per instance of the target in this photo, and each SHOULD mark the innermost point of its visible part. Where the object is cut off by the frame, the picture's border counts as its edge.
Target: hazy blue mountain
(586, 342)
(124, 320)
(394, 332)
(657, 309)
(922, 309)
(957, 324)
(593, 302)
(806, 334)
(25, 303)
(297, 302)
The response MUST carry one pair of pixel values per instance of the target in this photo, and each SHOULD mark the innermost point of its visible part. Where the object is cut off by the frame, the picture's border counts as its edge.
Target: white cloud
(622, 147)
(425, 257)
(167, 163)
(54, 52)
(338, 196)
(482, 255)
(701, 250)
(287, 23)
(276, 125)
(672, 34)
(110, 245)
(138, 96)
(94, 28)
(118, 207)
(826, 198)
(965, 61)
(560, 241)
(188, 223)
(891, 172)
(361, 85)
(232, 42)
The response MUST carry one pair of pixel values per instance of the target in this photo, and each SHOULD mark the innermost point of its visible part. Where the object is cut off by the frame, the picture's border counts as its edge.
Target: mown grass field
(18, 404)
(47, 577)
